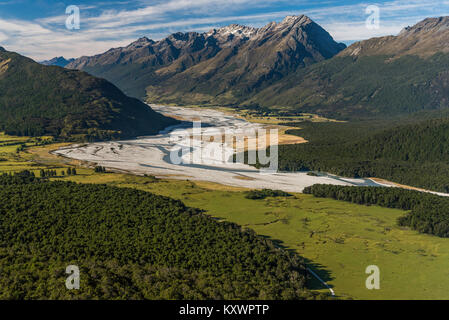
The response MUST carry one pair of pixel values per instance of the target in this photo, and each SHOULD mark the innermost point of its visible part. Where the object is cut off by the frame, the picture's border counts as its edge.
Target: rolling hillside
(46, 100)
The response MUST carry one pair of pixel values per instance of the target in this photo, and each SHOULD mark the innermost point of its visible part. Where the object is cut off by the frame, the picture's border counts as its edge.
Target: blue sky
(36, 28)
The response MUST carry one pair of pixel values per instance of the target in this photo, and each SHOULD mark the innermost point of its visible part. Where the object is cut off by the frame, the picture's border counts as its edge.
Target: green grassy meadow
(338, 239)
(11, 160)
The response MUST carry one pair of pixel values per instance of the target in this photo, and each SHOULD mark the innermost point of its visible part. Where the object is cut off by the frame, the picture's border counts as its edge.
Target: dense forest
(429, 213)
(131, 244)
(414, 153)
(38, 100)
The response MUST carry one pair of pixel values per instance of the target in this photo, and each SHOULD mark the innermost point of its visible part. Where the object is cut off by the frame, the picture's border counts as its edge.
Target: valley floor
(152, 155)
(338, 239)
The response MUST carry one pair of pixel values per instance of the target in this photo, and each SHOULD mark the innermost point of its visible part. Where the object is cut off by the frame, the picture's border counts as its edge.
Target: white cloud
(3, 37)
(47, 37)
(347, 31)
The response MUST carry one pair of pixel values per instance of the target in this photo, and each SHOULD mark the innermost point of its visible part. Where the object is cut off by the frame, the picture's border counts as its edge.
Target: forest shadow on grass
(325, 275)
(312, 283)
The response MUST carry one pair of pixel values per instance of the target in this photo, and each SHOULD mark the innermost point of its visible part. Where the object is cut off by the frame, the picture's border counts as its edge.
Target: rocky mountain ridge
(233, 60)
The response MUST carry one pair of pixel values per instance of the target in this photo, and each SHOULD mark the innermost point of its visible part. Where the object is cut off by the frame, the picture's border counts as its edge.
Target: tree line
(264, 193)
(429, 213)
(415, 154)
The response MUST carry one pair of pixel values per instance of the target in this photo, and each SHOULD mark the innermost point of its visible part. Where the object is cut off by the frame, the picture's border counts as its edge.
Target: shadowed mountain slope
(379, 77)
(37, 100)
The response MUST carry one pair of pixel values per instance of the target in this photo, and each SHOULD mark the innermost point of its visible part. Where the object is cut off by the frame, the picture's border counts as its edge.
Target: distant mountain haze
(57, 61)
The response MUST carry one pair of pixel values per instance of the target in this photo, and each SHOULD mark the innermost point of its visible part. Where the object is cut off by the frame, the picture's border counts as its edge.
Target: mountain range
(48, 100)
(380, 77)
(291, 65)
(220, 66)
